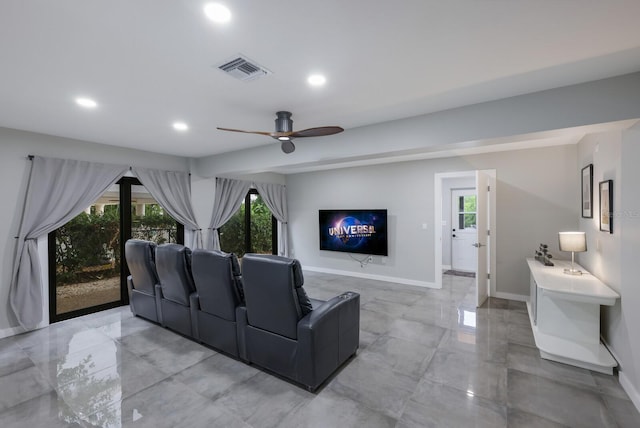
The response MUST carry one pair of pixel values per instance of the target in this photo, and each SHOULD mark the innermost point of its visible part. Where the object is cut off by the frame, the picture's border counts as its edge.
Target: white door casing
(484, 183)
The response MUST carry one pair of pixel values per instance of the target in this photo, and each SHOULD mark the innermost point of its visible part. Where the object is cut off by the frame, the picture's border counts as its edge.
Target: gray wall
(14, 167)
(613, 258)
(589, 103)
(537, 196)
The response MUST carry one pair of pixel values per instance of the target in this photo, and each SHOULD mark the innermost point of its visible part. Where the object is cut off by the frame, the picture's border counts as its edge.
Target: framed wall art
(587, 191)
(606, 206)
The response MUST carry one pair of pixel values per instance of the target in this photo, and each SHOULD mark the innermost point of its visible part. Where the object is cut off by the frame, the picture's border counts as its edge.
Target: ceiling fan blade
(316, 132)
(247, 132)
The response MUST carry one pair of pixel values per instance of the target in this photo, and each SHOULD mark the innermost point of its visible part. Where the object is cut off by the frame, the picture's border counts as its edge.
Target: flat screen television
(354, 231)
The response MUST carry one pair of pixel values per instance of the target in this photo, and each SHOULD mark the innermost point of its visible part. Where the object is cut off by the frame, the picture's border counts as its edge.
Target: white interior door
(483, 186)
(463, 230)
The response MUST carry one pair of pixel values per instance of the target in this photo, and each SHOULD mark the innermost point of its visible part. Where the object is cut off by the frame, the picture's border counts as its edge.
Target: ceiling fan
(285, 134)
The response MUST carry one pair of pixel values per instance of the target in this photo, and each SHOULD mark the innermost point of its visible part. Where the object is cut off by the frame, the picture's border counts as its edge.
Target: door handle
(478, 245)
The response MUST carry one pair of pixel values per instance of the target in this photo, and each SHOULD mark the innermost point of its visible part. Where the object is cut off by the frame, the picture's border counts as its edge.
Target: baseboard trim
(446, 267)
(628, 387)
(625, 382)
(511, 296)
(392, 279)
(11, 331)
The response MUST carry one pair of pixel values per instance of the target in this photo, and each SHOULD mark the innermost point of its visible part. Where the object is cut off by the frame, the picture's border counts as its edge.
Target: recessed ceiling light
(86, 102)
(180, 126)
(217, 12)
(316, 80)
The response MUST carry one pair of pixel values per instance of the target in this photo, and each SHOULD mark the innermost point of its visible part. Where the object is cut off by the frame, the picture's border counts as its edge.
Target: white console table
(564, 311)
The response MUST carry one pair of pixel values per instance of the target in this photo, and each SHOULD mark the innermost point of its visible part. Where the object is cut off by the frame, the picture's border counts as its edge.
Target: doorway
(86, 270)
(480, 220)
(464, 230)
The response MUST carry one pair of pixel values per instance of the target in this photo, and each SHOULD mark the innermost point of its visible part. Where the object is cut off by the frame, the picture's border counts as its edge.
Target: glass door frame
(247, 241)
(248, 244)
(125, 184)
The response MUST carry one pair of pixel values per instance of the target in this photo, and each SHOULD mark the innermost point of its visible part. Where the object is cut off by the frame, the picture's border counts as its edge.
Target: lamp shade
(573, 241)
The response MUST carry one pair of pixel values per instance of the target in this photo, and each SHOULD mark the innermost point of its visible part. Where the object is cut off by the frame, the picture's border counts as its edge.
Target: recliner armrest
(327, 337)
(159, 304)
(323, 313)
(241, 325)
(194, 307)
(130, 292)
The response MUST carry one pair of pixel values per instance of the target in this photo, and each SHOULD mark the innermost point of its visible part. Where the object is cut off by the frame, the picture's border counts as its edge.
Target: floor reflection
(88, 380)
(466, 326)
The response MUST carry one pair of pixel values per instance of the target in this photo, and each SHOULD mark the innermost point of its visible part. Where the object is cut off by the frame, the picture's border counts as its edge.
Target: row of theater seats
(262, 317)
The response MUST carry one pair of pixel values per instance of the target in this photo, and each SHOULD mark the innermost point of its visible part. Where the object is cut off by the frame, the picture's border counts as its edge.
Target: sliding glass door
(252, 229)
(87, 272)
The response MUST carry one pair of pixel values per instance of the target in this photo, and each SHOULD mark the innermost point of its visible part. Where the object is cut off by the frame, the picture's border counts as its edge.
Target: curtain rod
(30, 157)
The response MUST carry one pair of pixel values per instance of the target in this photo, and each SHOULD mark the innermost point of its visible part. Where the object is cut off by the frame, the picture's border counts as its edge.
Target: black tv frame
(384, 253)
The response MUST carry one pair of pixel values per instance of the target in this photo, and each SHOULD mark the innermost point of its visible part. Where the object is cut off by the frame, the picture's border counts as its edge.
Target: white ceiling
(151, 62)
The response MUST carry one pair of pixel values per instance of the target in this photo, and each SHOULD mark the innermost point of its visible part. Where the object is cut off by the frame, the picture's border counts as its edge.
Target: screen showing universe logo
(354, 231)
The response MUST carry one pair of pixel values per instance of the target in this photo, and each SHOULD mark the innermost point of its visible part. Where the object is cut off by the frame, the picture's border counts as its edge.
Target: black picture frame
(587, 191)
(606, 206)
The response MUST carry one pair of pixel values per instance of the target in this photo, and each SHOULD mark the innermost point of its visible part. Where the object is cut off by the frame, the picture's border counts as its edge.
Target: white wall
(613, 258)
(537, 196)
(15, 146)
(449, 184)
(623, 331)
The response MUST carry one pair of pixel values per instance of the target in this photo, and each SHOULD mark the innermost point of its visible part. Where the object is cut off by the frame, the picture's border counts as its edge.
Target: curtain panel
(172, 190)
(275, 197)
(57, 191)
(227, 200)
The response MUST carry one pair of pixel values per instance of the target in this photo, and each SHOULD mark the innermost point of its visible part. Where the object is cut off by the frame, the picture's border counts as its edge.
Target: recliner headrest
(235, 266)
(298, 277)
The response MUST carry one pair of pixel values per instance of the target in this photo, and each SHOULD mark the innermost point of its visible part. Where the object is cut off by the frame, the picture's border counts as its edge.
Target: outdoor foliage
(88, 246)
(232, 234)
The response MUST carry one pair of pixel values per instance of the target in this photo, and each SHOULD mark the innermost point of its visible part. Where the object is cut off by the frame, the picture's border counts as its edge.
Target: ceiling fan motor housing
(284, 122)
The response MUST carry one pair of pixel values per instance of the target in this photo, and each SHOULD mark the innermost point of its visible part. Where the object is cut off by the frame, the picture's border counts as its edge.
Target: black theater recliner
(285, 332)
(141, 284)
(175, 287)
(218, 294)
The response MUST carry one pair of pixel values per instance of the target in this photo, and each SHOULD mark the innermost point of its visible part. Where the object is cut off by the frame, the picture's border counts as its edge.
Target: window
(252, 229)
(467, 212)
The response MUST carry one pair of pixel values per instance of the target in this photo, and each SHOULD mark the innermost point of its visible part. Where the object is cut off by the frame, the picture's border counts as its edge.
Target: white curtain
(227, 200)
(275, 196)
(172, 190)
(57, 191)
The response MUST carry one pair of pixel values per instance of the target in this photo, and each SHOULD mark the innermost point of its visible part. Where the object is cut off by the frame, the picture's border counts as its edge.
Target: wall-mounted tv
(354, 231)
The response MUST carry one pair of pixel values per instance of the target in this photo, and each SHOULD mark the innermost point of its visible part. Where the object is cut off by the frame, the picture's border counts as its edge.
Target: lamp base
(573, 272)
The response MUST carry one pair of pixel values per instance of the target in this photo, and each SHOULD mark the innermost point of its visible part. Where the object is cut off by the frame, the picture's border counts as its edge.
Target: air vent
(244, 69)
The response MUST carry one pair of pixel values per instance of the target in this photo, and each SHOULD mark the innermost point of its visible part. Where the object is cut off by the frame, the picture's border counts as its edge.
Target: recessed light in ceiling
(316, 80)
(180, 126)
(86, 102)
(217, 12)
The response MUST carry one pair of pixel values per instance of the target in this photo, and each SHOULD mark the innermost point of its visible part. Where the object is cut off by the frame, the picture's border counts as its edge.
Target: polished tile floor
(427, 358)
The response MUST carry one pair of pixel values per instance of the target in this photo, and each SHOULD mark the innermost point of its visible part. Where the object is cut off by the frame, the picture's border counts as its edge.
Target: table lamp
(574, 242)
